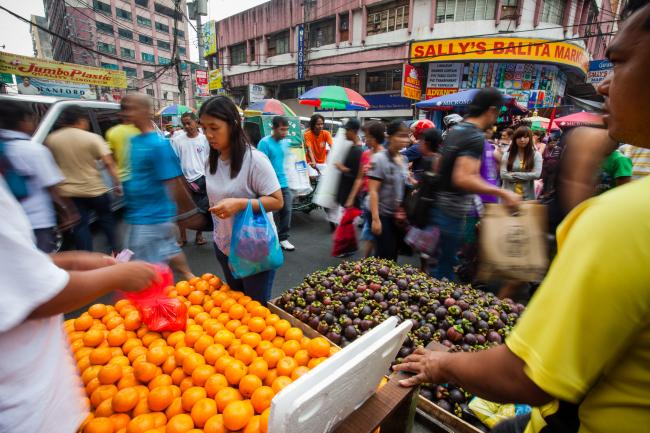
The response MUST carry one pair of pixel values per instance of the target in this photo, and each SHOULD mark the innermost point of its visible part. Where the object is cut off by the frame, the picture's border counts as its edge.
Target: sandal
(200, 241)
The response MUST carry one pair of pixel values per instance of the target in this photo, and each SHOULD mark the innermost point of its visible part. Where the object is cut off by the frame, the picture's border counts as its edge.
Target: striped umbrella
(334, 98)
(272, 106)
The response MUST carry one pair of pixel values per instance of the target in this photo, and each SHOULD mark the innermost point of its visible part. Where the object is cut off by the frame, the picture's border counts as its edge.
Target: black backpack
(420, 201)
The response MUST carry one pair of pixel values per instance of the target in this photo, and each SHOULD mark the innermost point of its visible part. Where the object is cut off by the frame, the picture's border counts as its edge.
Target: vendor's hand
(376, 227)
(134, 276)
(227, 207)
(82, 261)
(510, 199)
(426, 366)
(349, 203)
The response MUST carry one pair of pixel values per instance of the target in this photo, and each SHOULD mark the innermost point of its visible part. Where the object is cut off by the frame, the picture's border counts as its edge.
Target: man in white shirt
(40, 390)
(192, 149)
(25, 88)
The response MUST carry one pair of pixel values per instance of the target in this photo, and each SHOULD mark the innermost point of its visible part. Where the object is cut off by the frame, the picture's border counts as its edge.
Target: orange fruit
(201, 374)
(183, 288)
(223, 318)
(214, 424)
(301, 357)
(191, 396)
(259, 368)
(264, 420)
(271, 319)
(186, 384)
(97, 311)
(212, 326)
(120, 420)
(160, 398)
(159, 419)
(195, 297)
(224, 337)
(203, 410)
(191, 362)
(130, 344)
(157, 355)
(234, 372)
(90, 373)
(256, 324)
(116, 337)
(175, 337)
(293, 334)
(315, 361)
(174, 408)
(127, 380)
(125, 399)
(213, 352)
(318, 347)
(219, 298)
(286, 366)
(202, 286)
(232, 349)
(181, 353)
(137, 352)
(140, 424)
(181, 423)
(260, 311)
(304, 342)
(102, 393)
(245, 354)
(161, 380)
(104, 409)
(149, 337)
(280, 383)
(263, 347)
(252, 305)
(291, 347)
(253, 425)
(251, 338)
(83, 322)
(93, 337)
(272, 356)
(100, 356)
(214, 384)
(177, 375)
(226, 396)
(110, 373)
(132, 321)
(222, 363)
(83, 364)
(248, 384)
(99, 425)
(227, 304)
(237, 311)
(232, 325)
(261, 398)
(299, 371)
(145, 371)
(237, 415)
(282, 326)
(92, 385)
(169, 366)
(202, 343)
(270, 377)
(193, 310)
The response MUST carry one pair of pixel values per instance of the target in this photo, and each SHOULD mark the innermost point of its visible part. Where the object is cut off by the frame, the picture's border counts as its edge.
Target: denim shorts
(153, 243)
(366, 231)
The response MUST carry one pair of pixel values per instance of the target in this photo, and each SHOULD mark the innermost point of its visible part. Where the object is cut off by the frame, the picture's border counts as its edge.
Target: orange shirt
(318, 145)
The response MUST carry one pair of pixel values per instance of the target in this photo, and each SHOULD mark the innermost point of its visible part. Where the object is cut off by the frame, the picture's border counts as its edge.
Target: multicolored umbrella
(334, 98)
(537, 123)
(174, 110)
(579, 119)
(272, 106)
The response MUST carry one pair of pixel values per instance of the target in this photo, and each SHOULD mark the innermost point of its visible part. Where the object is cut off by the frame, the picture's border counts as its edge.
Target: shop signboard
(300, 73)
(209, 38)
(443, 79)
(60, 89)
(411, 82)
(598, 70)
(67, 72)
(201, 80)
(6, 78)
(215, 80)
(500, 48)
(256, 93)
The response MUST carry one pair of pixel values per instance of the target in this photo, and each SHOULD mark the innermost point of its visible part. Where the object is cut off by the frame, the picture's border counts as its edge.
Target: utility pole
(196, 10)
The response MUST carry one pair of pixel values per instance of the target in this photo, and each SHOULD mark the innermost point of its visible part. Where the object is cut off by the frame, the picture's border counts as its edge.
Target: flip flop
(200, 241)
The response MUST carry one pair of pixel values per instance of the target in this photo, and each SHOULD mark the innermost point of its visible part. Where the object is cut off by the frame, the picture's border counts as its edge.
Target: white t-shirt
(251, 182)
(40, 390)
(193, 153)
(35, 161)
(27, 90)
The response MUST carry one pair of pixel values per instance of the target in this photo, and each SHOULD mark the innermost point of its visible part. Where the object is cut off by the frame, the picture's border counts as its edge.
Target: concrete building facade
(41, 40)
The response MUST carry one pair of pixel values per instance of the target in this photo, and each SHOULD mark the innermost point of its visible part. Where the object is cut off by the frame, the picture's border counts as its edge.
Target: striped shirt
(640, 159)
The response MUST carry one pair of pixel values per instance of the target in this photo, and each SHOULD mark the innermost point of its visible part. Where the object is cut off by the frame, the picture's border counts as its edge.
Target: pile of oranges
(218, 375)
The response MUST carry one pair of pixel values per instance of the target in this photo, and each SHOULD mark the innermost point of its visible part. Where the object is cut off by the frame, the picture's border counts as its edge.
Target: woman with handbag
(237, 177)
(521, 165)
(387, 179)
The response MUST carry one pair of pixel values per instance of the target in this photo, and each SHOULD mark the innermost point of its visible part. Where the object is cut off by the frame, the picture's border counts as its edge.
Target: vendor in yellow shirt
(581, 352)
(119, 141)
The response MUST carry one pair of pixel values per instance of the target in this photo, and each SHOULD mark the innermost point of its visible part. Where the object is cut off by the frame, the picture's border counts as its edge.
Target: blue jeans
(451, 237)
(256, 286)
(101, 205)
(283, 216)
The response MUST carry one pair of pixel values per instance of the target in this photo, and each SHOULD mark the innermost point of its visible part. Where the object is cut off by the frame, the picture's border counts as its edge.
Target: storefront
(535, 72)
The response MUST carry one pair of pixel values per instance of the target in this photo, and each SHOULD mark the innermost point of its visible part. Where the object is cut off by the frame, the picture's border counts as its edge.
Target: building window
(151, 93)
(102, 7)
(384, 81)
(109, 66)
(149, 75)
(344, 27)
(125, 34)
(163, 45)
(322, 33)
(130, 72)
(509, 9)
(149, 58)
(121, 13)
(127, 53)
(179, 33)
(164, 60)
(349, 81)
(147, 40)
(465, 10)
(106, 48)
(553, 11)
(143, 3)
(388, 17)
(167, 11)
(163, 28)
(251, 44)
(278, 44)
(238, 54)
(104, 28)
(144, 22)
(182, 51)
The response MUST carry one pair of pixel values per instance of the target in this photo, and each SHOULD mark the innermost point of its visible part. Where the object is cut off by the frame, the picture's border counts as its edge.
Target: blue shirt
(277, 154)
(153, 161)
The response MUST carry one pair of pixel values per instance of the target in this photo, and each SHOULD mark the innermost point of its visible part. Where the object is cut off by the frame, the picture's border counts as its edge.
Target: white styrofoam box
(326, 395)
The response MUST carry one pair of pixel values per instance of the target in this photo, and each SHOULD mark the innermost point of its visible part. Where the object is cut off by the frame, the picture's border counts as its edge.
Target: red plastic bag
(345, 237)
(158, 311)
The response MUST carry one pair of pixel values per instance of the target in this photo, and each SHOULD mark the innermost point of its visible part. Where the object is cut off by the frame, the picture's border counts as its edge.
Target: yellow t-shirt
(585, 336)
(76, 152)
(119, 140)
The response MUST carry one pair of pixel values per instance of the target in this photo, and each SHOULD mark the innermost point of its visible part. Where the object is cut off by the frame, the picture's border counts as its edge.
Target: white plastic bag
(328, 184)
(297, 177)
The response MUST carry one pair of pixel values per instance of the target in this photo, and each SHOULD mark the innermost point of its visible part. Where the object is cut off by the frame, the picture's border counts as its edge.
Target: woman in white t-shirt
(40, 389)
(236, 173)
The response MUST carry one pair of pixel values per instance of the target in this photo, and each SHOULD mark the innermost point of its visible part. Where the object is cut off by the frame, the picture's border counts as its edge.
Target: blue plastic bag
(254, 246)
